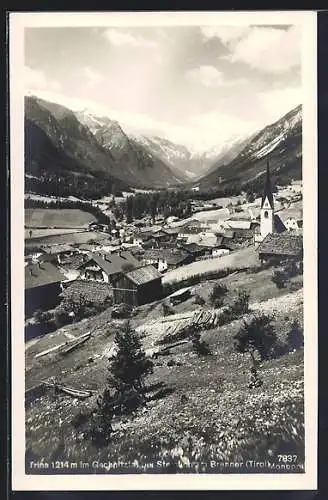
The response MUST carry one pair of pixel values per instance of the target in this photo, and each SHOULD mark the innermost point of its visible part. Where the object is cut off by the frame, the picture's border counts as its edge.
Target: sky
(197, 86)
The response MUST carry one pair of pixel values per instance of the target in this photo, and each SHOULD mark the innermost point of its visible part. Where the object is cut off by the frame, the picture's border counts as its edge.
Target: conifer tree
(130, 364)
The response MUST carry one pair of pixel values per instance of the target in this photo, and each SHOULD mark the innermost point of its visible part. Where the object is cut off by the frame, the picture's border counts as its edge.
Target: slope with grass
(200, 409)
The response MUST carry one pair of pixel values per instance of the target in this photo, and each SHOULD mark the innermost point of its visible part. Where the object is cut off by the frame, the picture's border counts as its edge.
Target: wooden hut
(138, 286)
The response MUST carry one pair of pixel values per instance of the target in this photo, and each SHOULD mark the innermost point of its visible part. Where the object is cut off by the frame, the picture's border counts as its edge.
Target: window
(266, 214)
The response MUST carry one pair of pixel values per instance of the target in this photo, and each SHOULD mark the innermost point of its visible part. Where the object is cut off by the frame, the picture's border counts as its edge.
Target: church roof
(267, 193)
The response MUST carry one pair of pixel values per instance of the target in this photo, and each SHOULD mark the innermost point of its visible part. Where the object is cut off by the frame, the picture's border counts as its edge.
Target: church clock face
(266, 214)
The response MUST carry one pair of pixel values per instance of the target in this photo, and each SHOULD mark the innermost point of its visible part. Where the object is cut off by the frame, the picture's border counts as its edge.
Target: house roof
(113, 263)
(193, 248)
(282, 244)
(171, 230)
(42, 274)
(239, 223)
(244, 233)
(54, 249)
(143, 275)
(152, 254)
(74, 262)
(190, 230)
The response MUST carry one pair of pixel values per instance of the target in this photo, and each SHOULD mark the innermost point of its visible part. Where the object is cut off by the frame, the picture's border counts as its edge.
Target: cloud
(206, 75)
(121, 38)
(36, 79)
(92, 76)
(227, 34)
(264, 48)
(269, 50)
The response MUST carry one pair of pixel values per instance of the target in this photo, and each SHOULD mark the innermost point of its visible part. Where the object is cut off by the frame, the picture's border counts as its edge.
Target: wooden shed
(138, 286)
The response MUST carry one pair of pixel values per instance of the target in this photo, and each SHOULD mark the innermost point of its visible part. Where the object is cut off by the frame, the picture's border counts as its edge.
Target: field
(247, 257)
(44, 233)
(68, 238)
(57, 218)
(200, 405)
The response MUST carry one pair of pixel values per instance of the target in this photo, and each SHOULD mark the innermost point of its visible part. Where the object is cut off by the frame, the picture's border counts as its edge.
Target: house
(277, 248)
(70, 268)
(294, 224)
(205, 239)
(296, 187)
(164, 259)
(172, 218)
(220, 251)
(239, 222)
(43, 284)
(187, 230)
(57, 253)
(138, 286)
(195, 250)
(105, 268)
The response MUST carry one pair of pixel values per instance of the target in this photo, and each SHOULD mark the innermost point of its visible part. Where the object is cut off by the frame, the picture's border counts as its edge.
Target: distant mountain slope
(143, 165)
(280, 141)
(56, 138)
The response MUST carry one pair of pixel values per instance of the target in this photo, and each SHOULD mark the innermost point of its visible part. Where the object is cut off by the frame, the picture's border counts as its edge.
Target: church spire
(267, 193)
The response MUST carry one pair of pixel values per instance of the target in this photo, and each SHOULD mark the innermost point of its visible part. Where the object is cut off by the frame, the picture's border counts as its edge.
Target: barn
(279, 247)
(138, 286)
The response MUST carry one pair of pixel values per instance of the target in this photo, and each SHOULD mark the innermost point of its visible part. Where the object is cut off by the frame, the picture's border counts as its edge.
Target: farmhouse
(42, 286)
(138, 286)
(277, 248)
(106, 268)
(165, 259)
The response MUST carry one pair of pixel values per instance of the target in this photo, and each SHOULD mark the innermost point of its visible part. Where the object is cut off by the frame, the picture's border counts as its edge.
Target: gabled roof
(285, 244)
(113, 263)
(194, 248)
(42, 274)
(143, 275)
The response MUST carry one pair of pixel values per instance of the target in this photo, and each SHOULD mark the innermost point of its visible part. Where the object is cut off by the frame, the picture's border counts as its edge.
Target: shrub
(218, 292)
(241, 303)
(199, 300)
(290, 269)
(167, 310)
(42, 317)
(279, 278)
(295, 336)
(257, 335)
(61, 317)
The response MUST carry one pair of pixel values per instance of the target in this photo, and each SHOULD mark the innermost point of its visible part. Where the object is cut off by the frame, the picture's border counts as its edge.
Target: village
(135, 259)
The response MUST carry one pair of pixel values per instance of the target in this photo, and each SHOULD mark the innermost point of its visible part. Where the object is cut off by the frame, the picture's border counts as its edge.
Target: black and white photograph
(163, 173)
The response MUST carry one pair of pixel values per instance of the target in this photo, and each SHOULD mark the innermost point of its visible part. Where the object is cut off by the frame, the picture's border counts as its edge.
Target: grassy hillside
(200, 409)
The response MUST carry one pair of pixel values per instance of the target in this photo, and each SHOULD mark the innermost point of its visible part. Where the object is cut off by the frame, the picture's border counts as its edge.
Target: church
(276, 243)
(269, 221)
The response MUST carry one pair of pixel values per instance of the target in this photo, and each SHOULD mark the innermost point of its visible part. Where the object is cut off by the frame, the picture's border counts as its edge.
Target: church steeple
(267, 193)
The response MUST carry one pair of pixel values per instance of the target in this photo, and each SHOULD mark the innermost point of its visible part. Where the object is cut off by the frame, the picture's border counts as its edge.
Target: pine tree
(130, 364)
(257, 335)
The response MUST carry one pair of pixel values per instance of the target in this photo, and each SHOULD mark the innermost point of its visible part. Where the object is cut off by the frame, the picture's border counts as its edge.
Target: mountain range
(280, 142)
(82, 143)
